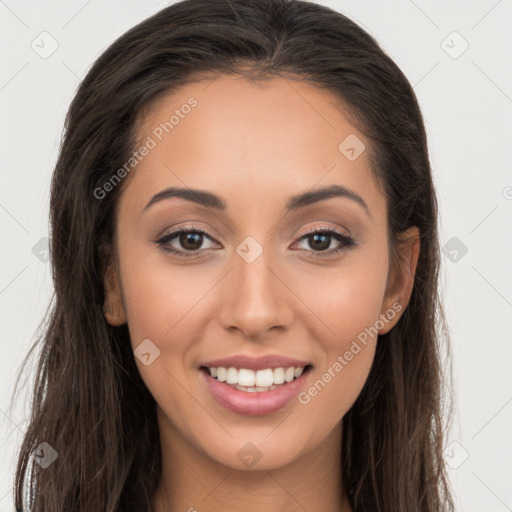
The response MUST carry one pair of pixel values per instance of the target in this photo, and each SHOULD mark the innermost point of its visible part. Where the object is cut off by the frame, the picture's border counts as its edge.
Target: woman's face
(258, 282)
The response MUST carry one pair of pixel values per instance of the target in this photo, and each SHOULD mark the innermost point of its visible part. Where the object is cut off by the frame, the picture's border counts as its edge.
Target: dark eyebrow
(190, 194)
(298, 201)
(320, 194)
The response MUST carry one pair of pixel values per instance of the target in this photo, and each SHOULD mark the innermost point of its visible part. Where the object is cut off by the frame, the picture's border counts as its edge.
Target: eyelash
(346, 241)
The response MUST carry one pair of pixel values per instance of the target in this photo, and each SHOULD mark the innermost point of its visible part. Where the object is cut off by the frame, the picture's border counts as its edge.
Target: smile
(248, 380)
(265, 391)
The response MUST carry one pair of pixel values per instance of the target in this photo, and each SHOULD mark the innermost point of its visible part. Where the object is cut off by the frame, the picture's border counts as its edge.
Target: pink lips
(256, 363)
(256, 403)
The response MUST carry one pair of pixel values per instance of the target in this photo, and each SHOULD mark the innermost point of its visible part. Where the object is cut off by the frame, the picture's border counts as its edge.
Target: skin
(255, 145)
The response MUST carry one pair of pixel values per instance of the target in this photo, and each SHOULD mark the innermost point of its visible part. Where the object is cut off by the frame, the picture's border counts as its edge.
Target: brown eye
(320, 241)
(185, 242)
(191, 240)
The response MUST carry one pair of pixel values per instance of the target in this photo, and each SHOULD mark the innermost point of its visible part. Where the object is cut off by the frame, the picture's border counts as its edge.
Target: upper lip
(256, 363)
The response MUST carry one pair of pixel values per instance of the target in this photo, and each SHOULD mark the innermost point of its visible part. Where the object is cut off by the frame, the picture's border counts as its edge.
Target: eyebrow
(210, 200)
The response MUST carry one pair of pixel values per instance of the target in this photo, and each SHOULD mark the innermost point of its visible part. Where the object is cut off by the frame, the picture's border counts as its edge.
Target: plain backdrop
(456, 54)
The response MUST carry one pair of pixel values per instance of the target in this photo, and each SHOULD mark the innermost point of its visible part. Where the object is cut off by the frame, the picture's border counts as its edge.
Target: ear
(113, 308)
(401, 281)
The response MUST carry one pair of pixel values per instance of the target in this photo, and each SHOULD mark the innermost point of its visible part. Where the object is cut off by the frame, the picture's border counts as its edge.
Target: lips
(256, 363)
(257, 403)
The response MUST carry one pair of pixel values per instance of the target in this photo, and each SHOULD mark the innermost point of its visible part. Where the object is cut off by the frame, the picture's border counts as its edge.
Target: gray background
(466, 98)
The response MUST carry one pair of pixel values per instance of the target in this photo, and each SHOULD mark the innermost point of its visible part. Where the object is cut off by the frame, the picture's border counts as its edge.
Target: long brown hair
(89, 403)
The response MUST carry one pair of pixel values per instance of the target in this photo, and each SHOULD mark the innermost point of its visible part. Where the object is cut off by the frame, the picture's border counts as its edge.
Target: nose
(255, 298)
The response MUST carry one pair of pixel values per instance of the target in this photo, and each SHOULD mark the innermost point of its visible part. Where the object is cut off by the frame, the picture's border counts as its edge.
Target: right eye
(190, 240)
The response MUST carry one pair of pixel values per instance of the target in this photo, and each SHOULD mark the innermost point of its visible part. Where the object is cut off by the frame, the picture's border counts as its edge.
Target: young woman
(245, 257)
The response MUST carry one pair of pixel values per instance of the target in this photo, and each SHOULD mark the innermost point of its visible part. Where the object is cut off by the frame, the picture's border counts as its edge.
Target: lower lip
(257, 403)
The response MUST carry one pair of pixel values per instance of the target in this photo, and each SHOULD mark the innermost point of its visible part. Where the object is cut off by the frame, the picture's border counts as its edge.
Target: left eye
(320, 241)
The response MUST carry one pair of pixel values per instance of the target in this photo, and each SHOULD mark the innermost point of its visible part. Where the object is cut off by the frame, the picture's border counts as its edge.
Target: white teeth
(246, 378)
(232, 376)
(264, 378)
(289, 374)
(278, 375)
(221, 373)
(261, 380)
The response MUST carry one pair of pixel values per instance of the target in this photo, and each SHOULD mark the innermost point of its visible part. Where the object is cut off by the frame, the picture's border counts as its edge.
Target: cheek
(161, 299)
(347, 304)
(165, 305)
(346, 300)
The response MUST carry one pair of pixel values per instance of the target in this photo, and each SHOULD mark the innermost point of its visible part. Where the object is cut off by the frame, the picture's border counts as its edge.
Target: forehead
(232, 136)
